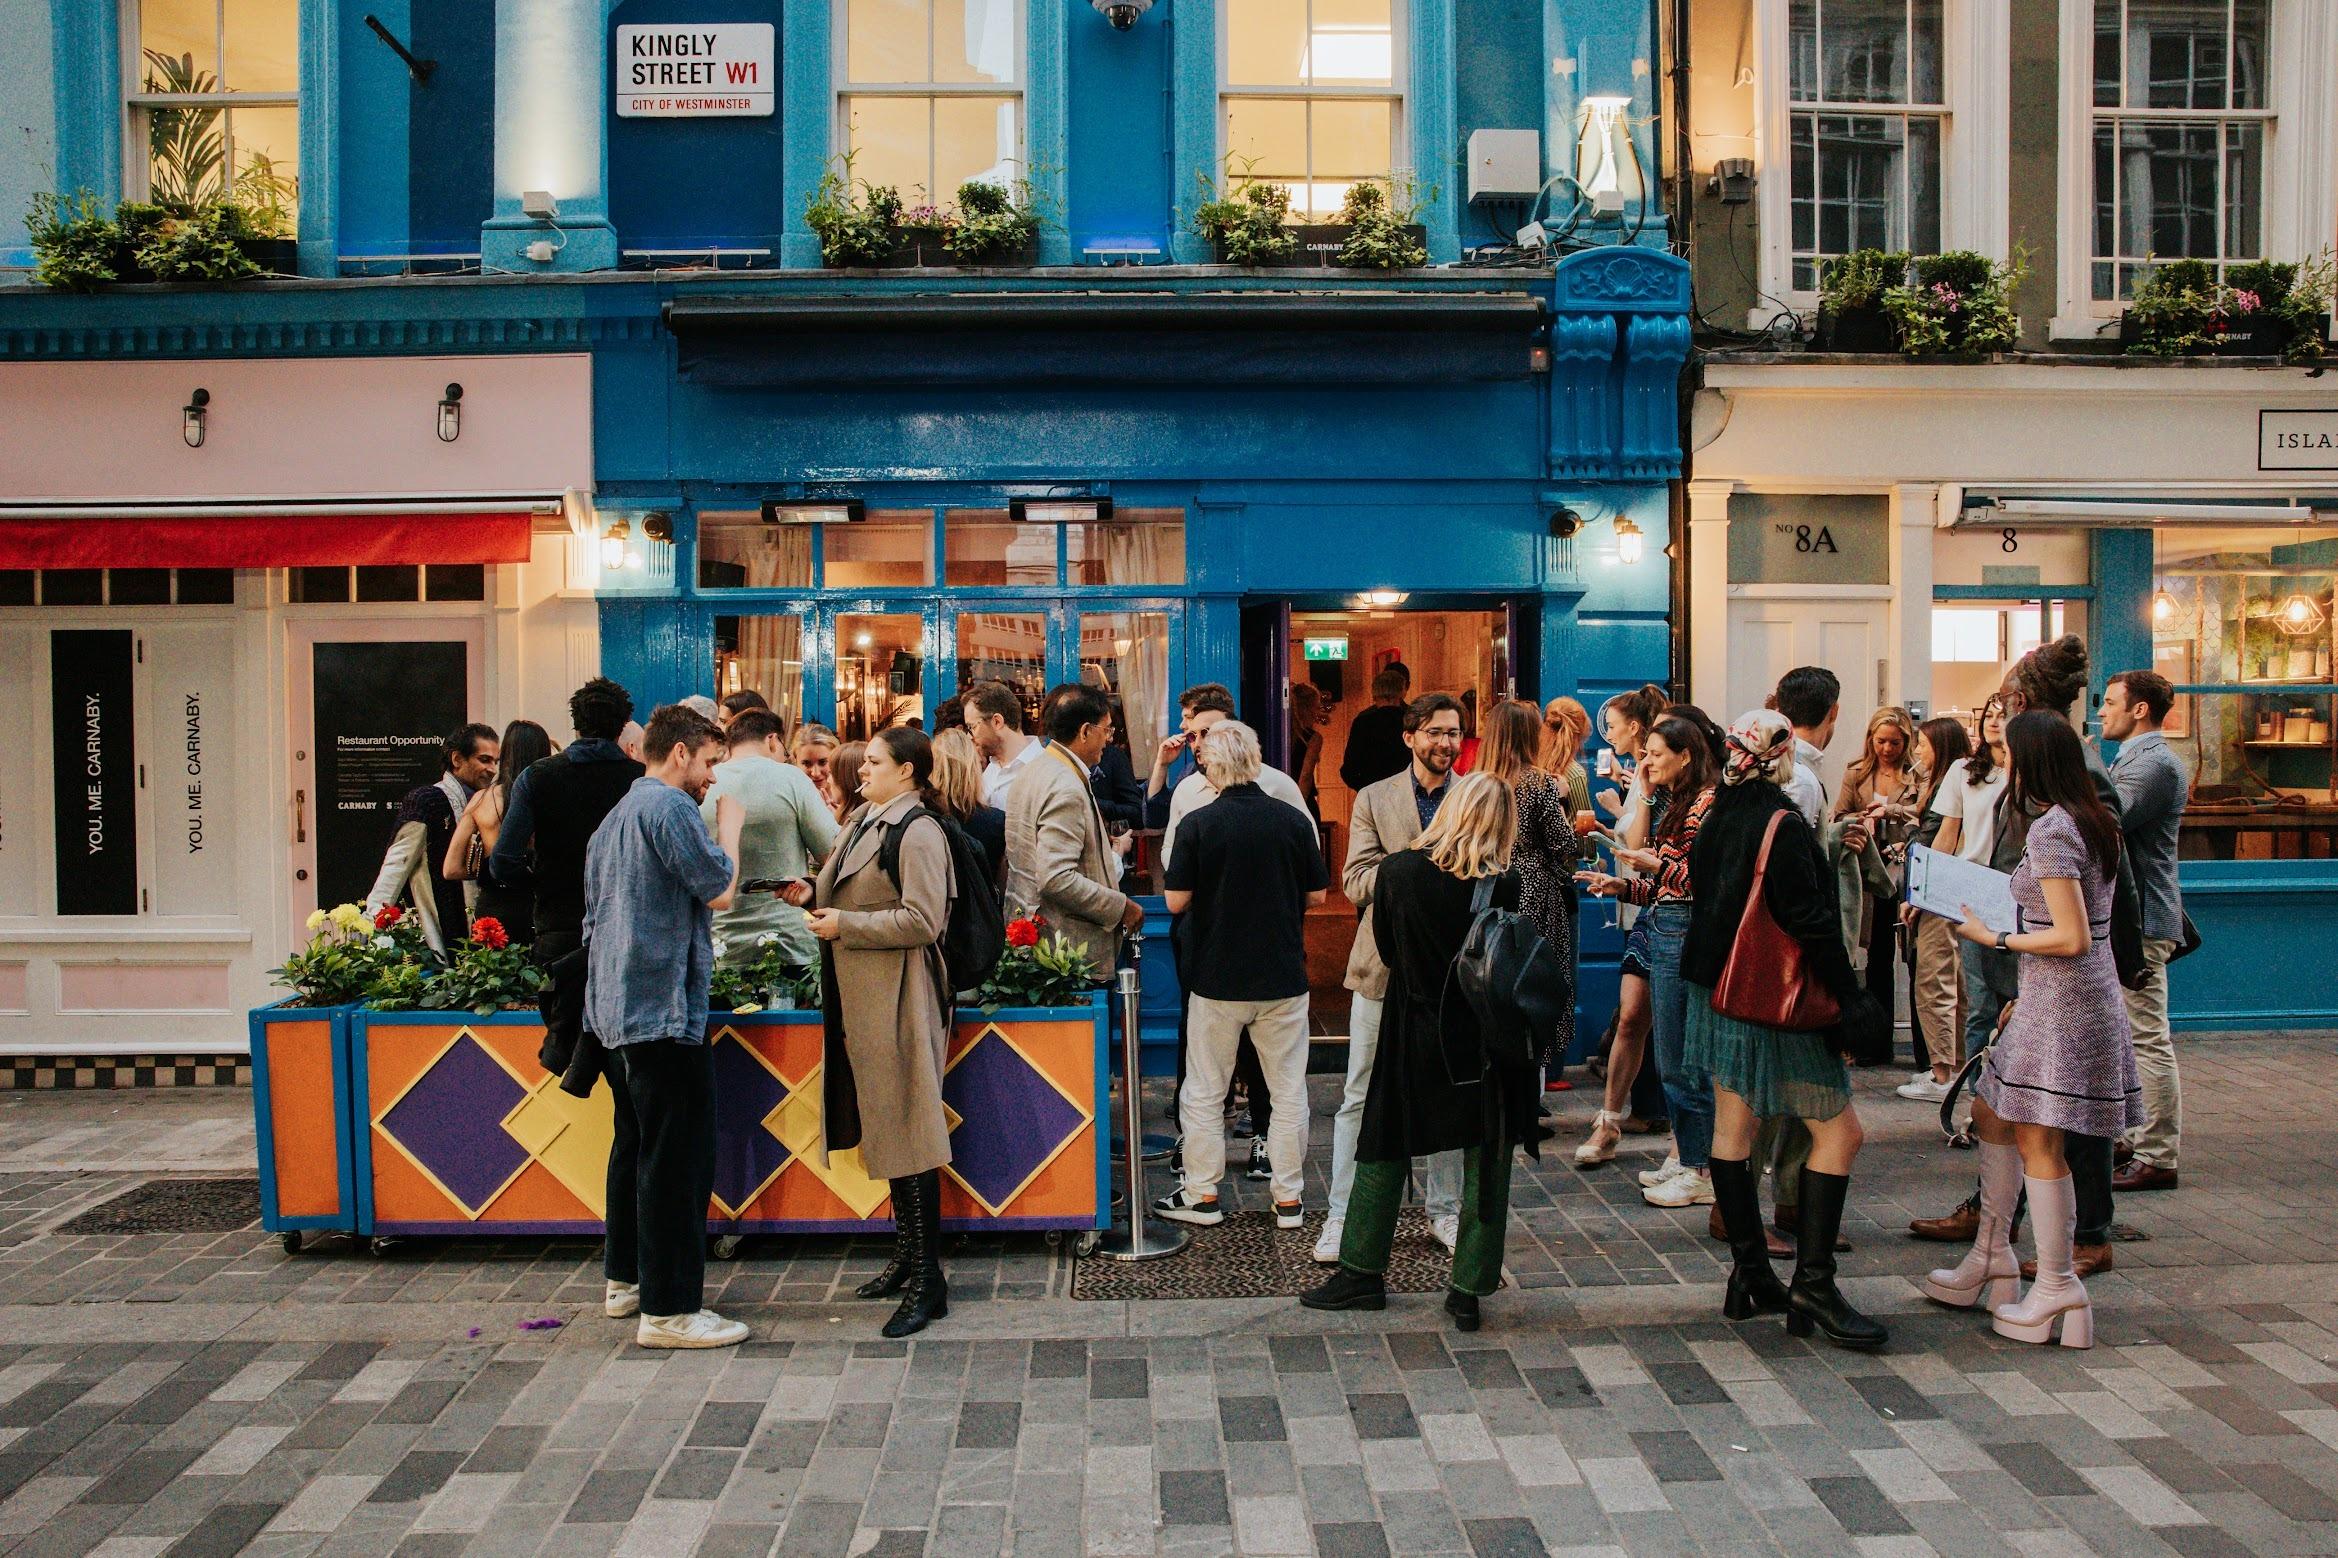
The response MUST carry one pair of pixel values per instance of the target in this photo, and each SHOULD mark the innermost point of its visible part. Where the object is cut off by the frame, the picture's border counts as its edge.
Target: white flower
(721, 946)
(384, 942)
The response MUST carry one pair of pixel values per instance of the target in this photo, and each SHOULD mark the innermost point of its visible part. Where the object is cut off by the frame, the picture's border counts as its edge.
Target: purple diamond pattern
(448, 1122)
(1023, 1119)
(746, 1153)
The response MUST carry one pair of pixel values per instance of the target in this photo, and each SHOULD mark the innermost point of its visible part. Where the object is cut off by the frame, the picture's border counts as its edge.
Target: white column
(1915, 509)
(1708, 602)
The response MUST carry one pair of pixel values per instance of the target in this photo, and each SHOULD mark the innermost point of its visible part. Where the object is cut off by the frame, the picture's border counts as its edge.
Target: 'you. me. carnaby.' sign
(706, 70)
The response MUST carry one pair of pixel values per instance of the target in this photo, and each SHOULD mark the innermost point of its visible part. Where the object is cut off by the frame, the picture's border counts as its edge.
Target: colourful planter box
(301, 1113)
(459, 1131)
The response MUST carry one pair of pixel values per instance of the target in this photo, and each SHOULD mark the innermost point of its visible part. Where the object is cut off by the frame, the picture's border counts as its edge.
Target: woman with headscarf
(1753, 835)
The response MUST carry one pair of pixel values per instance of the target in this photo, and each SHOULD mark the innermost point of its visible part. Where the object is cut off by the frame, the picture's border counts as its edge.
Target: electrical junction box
(1505, 164)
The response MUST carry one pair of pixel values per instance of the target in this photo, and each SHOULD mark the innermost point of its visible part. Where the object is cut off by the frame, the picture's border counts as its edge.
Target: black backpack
(1512, 979)
(976, 936)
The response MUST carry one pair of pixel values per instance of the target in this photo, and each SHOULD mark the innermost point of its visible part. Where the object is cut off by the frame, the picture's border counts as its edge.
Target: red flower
(488, 932)
(1022, 933)
(387, 915)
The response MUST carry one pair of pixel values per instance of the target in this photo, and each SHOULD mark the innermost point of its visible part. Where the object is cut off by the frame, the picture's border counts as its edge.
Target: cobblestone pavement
(208, 1394)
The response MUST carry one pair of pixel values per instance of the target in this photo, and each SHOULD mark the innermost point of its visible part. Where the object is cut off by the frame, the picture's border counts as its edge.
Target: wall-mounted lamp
(1122, 14)
(1384, 597)
(1630, 541)
(1596, 145)
(2163, 609)
(1059, 511)
(450, 414)
(833, 511)
(537, 205)
(614, 550)
(195, 418)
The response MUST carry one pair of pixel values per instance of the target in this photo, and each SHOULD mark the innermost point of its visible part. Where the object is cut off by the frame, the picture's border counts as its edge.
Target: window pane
(1925, 83)
(1923, 230)
(263, 45)
(1127, 653)
(1864, 51)
(1352, 140)
(2106, 53)
(974, 138)
(1802, 50)
(266, 147)
(1005, 647)
(139, 587)
(1134, 548)
(2106, 206)
(1351, 43)
(1266, 42)
(16, 586)
(885, 551)
(206, 586)
(740, 552)
(880, 673)
(885, 41)
(318, 586)
(974, 40)
(2176, 53)
(985, 547)
(1862, 184)
(2244, 189)
(2251, 28)
(398, 582)
(2249, 605)
(73, 587)
(179, 40)
(764, 654)
(1805, 183)
(1266, 138)
(891, 140)
(186, 155)
(455, 581)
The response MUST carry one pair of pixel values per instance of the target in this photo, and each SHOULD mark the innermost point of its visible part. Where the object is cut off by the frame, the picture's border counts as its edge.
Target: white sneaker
(621, 1300)
(703, 1329)
(1326, 1251)
(1651, 1178)
(1923, 1089)
(1924, 1075)
(1689, 1187)
(1447, 1229)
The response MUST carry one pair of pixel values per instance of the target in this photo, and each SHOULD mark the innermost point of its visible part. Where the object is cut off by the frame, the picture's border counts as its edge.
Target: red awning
(273, 540)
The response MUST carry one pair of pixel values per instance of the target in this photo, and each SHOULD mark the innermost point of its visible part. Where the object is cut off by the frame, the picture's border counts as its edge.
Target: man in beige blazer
(1387, 816)
(1061, 865)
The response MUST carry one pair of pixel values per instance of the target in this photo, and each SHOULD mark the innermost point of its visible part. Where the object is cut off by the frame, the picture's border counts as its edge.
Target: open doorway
(1338, 654)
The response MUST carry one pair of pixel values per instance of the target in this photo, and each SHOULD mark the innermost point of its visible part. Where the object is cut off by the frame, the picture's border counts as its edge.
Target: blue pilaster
(1046, 121)
(808, 99)
(1193, 121)
(1436, 148)
(2120, 622)
(552, 89)
(320, 151)
(86, 48)
(1594, 49)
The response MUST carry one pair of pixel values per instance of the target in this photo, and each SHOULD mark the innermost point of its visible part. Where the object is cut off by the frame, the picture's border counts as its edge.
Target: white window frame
(1393, 94)
(1976, 38)
(137, 102)
(2301, 134)
(846, 89)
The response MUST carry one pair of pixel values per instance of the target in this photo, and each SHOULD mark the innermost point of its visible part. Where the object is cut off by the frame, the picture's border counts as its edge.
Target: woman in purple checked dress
(2065, 1061)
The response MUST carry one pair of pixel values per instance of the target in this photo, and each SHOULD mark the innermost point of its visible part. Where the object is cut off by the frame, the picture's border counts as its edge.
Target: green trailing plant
(1859, 279)
(993, 223)
(1250, 227)
(207, 245)
(858, 223)
(76, 246)
(769, 978)
(1378, 214)
(1957, 305)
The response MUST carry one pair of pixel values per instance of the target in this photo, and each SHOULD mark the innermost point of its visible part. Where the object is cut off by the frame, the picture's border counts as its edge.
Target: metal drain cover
(1246, 1256)
(174, 1206)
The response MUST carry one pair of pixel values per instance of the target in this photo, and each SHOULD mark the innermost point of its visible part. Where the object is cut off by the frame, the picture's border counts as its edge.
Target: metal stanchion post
(1145, 1237)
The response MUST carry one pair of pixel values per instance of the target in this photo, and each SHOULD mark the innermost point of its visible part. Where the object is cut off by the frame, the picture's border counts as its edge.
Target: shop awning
(270, 535)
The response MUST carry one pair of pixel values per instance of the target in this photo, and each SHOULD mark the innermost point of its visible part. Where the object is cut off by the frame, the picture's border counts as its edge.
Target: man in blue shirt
(652, 879)
(2152, 790)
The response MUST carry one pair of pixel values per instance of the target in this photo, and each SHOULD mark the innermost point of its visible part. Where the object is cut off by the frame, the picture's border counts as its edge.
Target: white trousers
(1442, 1193)
(2158, 1139)
(1213, 1033)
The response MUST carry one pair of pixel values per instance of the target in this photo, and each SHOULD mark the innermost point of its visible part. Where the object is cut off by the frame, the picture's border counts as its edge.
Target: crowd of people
(1765, 931)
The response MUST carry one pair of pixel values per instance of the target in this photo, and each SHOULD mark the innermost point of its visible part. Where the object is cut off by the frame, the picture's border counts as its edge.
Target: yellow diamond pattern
(796, 1122)
(569, 1136)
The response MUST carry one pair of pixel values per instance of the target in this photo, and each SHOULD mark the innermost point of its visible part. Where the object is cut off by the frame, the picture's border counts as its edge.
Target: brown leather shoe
(2140, 1175)
(1961, 1226)
(2085, 1259)
(1785, 1232)
(1780, 1247)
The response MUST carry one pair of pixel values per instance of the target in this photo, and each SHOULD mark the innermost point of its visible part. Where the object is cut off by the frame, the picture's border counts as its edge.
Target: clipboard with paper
(1944, 884)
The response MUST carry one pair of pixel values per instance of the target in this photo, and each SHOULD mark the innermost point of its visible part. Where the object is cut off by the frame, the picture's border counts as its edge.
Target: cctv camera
(1565, 522)
(1122, 14)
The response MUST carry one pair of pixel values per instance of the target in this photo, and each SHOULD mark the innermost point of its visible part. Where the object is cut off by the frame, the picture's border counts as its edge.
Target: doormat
(174, 1206)
(1247, 1256)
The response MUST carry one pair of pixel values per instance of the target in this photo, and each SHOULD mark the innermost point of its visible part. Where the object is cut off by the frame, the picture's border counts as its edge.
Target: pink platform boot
(2057, 1296)
(1989, 1272)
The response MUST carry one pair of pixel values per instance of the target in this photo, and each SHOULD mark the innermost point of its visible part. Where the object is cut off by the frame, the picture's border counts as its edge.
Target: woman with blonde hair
(1435, 1084)
(1882, 786)
(1549, 850)
(1566, 726)
(958, 796)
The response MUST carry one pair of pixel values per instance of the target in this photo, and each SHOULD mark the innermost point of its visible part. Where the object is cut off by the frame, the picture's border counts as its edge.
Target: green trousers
(1784, 1143)
(1477, 1253)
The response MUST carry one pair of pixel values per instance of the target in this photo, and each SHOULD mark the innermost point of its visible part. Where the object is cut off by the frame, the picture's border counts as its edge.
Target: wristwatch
(2003, 937)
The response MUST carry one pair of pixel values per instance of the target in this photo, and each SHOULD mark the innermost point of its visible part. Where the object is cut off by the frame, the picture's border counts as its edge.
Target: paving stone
(1860, 1507)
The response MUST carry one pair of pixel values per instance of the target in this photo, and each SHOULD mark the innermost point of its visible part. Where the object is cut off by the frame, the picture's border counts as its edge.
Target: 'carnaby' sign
(705, 70)
(2297, 440)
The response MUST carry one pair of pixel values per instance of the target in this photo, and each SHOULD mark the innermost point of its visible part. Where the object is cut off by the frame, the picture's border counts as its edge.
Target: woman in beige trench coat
(887, 1012)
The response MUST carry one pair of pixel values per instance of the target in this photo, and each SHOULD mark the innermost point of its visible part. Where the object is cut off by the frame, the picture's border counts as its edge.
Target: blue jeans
(1982, 1004)
(1690, 1093)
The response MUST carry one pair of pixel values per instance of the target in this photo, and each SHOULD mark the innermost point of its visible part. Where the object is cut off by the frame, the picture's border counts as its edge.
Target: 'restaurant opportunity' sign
(94, 771)
(706, 70)
(2297, 440)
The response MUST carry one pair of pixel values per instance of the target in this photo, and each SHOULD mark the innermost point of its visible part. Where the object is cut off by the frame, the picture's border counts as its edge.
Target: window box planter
(1319, 245)
(302, 1084)
(274, 256)
(2261, 335)
(457, 1130)
(1866, 328)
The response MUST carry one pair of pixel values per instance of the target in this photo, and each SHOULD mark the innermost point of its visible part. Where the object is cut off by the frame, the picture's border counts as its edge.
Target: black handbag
(1515, 984)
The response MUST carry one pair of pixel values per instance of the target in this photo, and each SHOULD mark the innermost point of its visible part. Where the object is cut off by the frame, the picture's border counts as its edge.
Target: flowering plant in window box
(1038, 968)
(994, 225)
(2265, 308)
(1957, 306)
(486, 974)
(352, 956)
(858, 223)
(1851, 312)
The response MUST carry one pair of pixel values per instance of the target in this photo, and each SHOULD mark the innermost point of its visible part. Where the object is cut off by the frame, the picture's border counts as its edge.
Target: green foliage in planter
(1379, 215)
(2176, 310)
(750, 986)
(857, 223)
(352, 956)
(1251, 227)
(1038, 968)
(76, 247)
(1958, 305)
(993, 224)
(1859, 279)
(206, 245)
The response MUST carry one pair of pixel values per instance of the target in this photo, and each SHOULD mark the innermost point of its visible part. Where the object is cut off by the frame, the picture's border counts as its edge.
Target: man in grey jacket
(2152, 790)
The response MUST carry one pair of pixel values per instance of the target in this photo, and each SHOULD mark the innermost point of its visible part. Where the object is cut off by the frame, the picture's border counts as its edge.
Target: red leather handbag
(1767, 978)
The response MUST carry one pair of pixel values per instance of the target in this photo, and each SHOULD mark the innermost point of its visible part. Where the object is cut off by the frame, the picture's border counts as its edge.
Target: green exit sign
(1326, 648)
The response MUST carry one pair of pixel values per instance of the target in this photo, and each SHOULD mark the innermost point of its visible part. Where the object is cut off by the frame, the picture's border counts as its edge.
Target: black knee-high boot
(1817, 1304)
(895, 1276)
(928, 1299)
(1754, 1289)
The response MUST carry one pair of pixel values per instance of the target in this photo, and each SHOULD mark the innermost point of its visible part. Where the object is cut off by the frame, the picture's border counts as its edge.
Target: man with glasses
(414, 866)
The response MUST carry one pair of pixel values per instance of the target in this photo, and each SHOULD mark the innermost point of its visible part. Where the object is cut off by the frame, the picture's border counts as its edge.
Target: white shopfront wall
(184, 611)
(1865, 515)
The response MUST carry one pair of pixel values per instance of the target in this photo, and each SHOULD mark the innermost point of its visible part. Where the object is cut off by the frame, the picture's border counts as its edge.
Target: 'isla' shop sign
(704, 70)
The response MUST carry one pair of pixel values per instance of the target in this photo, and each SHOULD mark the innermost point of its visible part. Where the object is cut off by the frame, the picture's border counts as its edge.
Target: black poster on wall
(381, 711)
(94, 763)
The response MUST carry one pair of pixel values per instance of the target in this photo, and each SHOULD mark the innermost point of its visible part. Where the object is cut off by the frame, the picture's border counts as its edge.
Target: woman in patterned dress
(2065, 1061)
